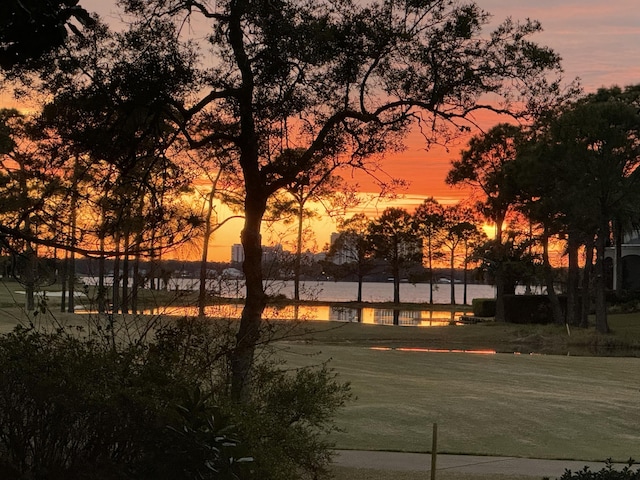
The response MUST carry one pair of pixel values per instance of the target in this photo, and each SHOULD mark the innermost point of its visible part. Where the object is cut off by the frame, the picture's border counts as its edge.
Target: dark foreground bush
(88, 409)
(606, 473)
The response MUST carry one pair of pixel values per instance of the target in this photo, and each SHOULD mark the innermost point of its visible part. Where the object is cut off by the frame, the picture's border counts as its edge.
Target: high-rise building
(346, 252)
(237, 253)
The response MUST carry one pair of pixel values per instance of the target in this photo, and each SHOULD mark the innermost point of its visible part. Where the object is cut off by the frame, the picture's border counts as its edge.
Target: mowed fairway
(585, 408)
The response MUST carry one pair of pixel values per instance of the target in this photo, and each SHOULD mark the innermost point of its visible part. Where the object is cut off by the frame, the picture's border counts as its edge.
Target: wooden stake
(434, 451)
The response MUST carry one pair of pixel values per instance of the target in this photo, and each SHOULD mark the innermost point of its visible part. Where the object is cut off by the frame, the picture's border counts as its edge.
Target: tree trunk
(618, 265)
(360, 280)
(572, 315)
(452, 269)
(430, 254)
(500, 275)
(71, 277)
(602, 325)
(154, 282)
(101, 294)
(71, 272)
(30, 277)
(63, 283)
(202, 292)
(249, 331)
(396, 289)
(136, 281)
(298, 257)
(465, 274)
(125, 273)
(71, 268)
(396, 275)
(586, 283)
(115, 295)
(556, 310)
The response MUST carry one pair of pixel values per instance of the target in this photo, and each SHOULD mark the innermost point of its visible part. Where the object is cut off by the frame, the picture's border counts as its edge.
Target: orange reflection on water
(436, 350)
(371, 316)
(346, 314)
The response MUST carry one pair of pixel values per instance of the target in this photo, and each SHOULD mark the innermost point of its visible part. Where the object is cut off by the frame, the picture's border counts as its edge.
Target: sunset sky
(599, 42)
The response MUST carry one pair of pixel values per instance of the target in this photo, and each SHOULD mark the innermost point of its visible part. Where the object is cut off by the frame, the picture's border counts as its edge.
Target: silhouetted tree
(346, 80)
(354, 249)
(320, 184)
(31, 28)
(393, 238)
(482, 166)
(216, 168)
(457, 227)
(429, 217)
(594, 155)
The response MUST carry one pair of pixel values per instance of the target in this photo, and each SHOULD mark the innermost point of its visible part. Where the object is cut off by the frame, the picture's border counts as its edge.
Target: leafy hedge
(95, 407)
(606, 473)
(484, 307)
(530, 308)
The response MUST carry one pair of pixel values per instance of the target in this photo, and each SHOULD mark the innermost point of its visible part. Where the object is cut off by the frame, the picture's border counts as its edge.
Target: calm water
(383, 292)
(336, 292)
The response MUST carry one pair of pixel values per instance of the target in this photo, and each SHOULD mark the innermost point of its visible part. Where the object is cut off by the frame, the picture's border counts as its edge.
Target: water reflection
(435, 350)
(372, 316)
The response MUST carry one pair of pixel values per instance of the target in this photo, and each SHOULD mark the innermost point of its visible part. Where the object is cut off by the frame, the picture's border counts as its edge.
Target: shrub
(287, 421)
(606, 473)
(484, 307)
(627, 301)
(98, 408)
(530, 308)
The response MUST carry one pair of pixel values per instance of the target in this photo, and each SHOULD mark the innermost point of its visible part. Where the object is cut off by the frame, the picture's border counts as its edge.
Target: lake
(336, 292)
(382, 291)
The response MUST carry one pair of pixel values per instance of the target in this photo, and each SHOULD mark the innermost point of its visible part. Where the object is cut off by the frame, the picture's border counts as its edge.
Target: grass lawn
(539, 406)
(529, 405)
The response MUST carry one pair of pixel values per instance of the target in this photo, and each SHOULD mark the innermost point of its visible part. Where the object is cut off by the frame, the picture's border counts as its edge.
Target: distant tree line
(571, 177)
(409, 246)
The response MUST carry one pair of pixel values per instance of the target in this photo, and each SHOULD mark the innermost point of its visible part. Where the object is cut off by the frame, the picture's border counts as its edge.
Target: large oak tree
(31, 28)
(591, 151)
(340, 77)
(328, 78)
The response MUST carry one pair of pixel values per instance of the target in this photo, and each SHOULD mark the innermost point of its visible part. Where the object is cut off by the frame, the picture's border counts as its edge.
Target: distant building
(630, 263)
(271, 254)
(237, 253)
(346, 253)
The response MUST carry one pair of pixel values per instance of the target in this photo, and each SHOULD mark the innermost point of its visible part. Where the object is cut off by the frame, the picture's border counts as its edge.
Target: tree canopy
(31, 28)
(344, 80)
